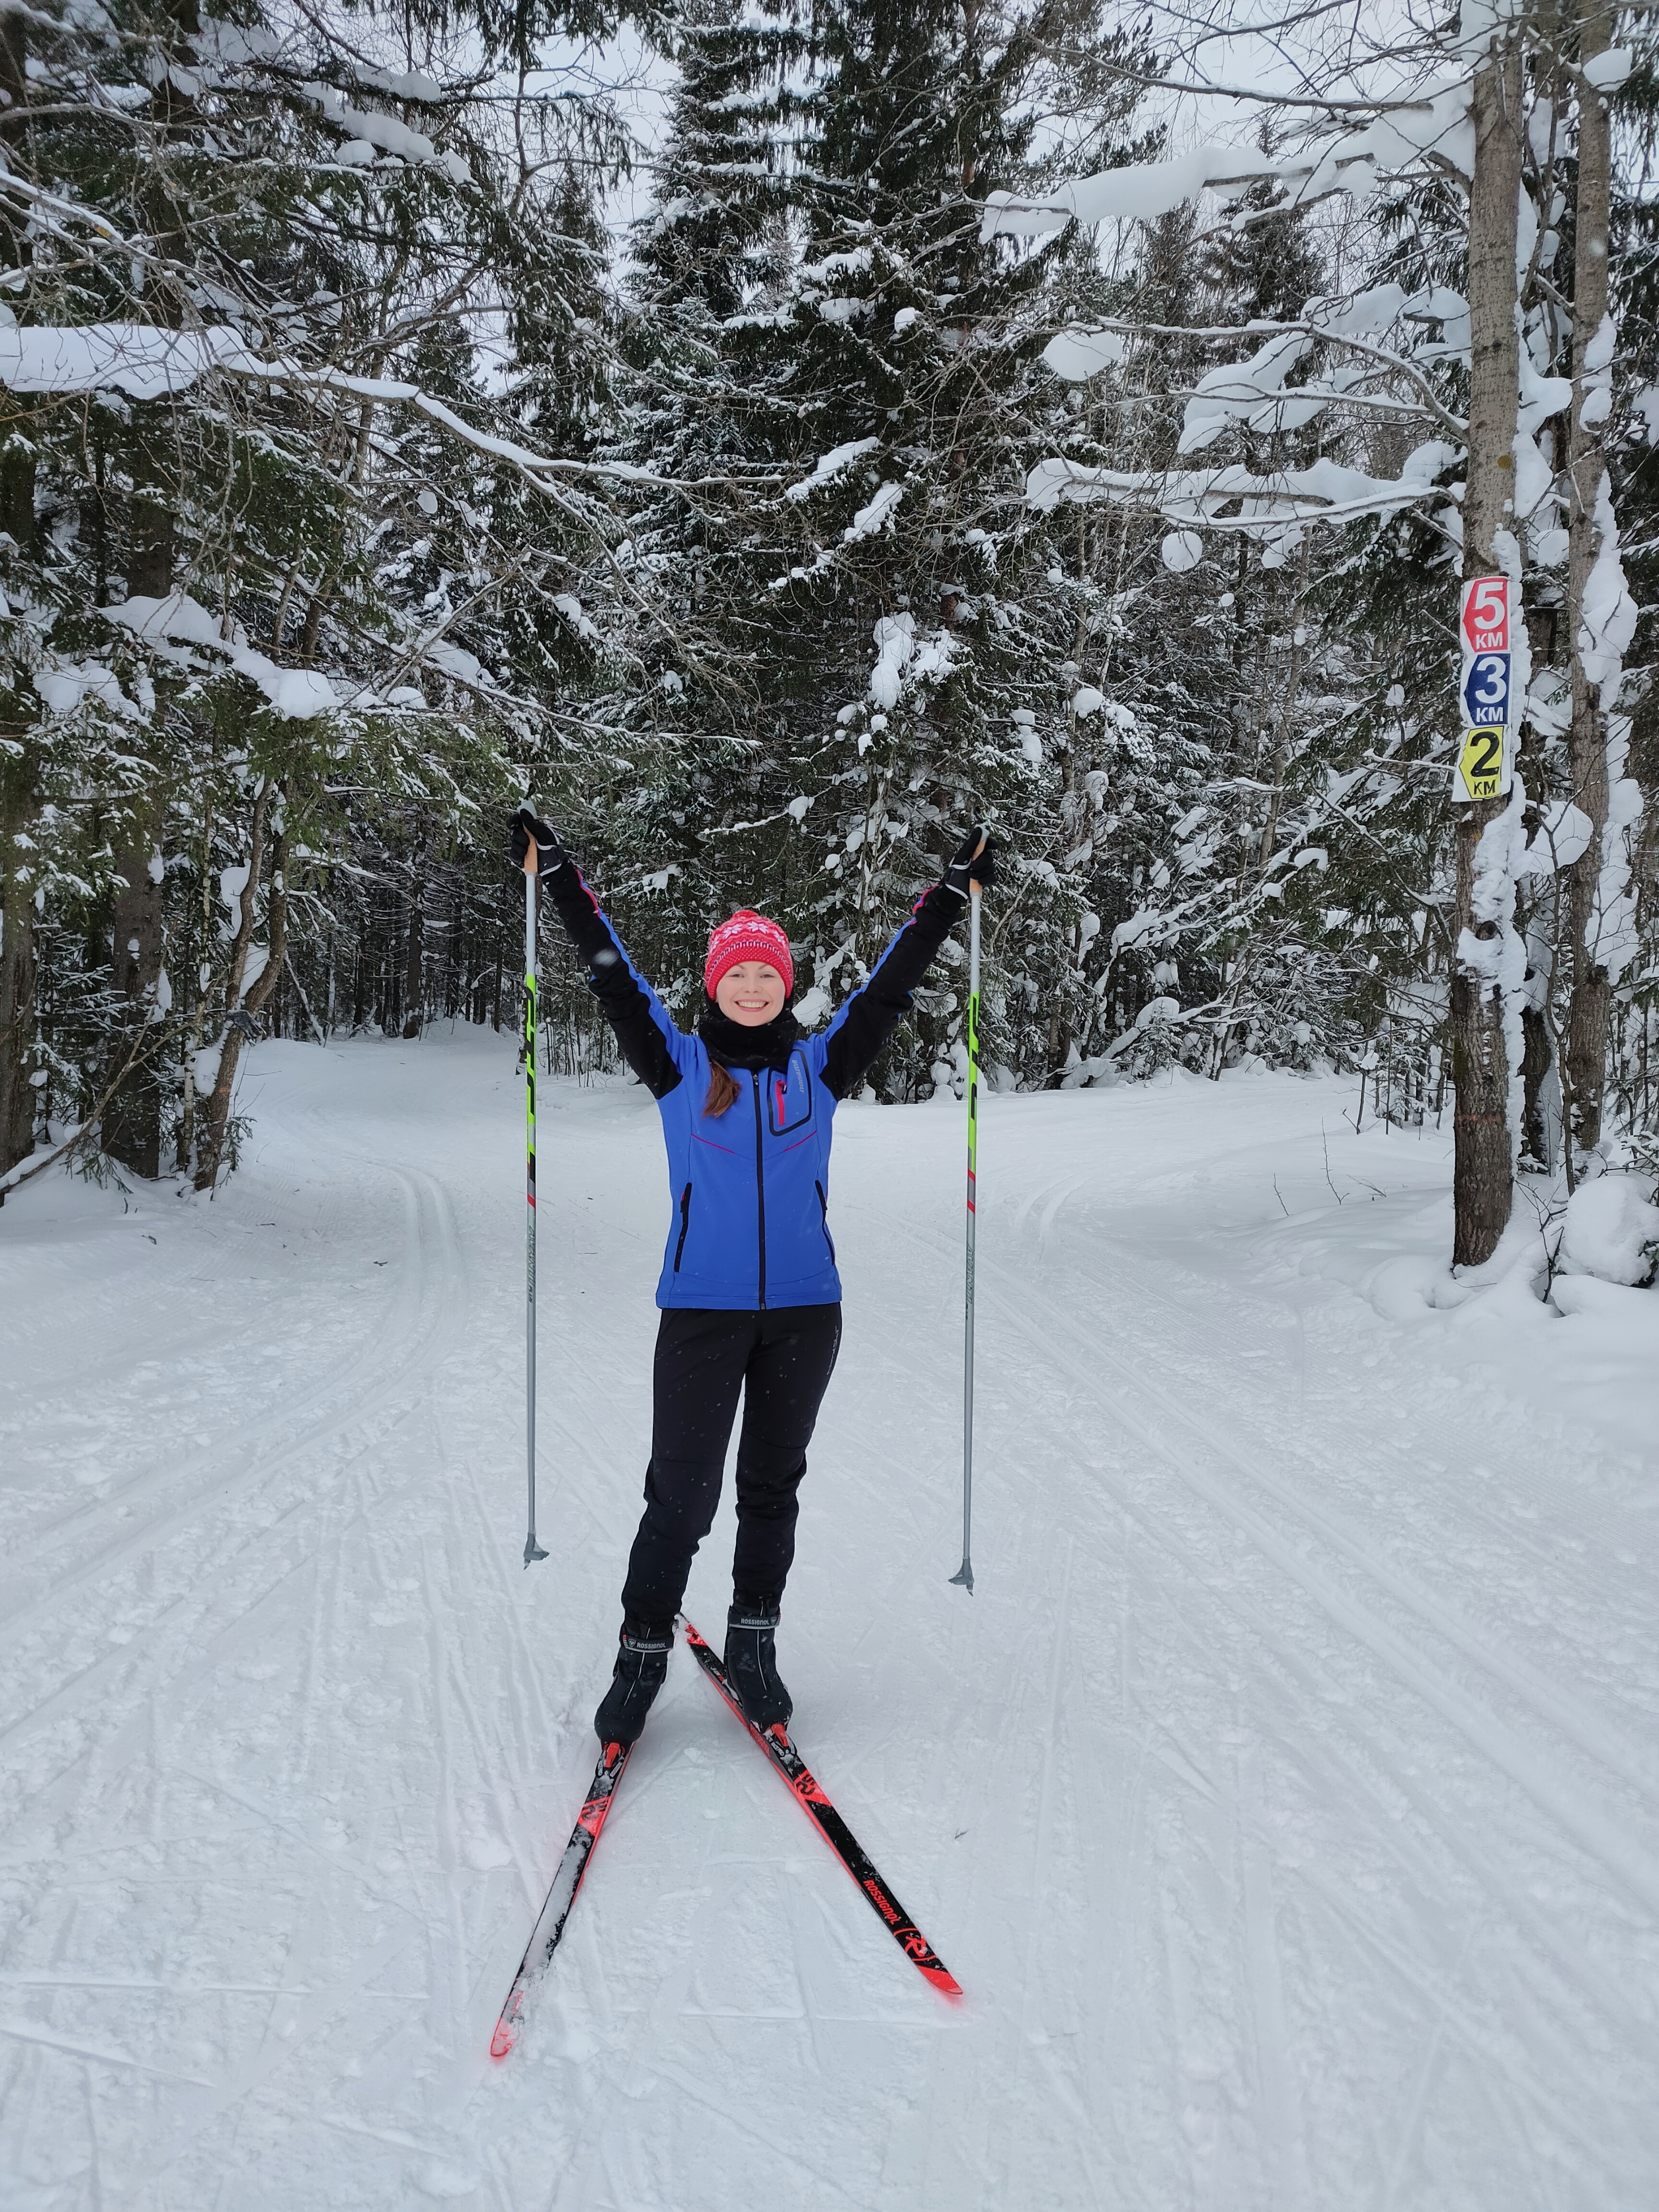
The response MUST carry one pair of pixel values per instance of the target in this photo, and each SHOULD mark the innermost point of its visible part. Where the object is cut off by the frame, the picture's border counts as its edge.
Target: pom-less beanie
(747, 936)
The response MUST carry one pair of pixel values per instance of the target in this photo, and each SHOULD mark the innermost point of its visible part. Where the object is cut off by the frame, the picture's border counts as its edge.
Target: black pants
(782, 1361)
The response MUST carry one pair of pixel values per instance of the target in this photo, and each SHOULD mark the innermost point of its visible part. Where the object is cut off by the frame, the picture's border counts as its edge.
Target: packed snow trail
(1286, 1799)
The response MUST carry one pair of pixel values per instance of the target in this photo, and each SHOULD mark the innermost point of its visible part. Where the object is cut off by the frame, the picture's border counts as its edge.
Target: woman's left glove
(973, 860)
(550, 854)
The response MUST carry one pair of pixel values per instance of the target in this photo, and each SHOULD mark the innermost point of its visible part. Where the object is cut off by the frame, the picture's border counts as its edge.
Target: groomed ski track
(1286, 1798)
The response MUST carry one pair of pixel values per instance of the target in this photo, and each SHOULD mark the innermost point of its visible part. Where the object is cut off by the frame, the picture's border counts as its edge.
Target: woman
(749, 1297)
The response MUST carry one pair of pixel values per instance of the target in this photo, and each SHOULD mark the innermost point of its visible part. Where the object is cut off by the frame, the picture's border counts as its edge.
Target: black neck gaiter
(769, 1044)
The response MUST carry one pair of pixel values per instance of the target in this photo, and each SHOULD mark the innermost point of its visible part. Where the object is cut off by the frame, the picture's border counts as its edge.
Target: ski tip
(927, 1961)
(506, 2036)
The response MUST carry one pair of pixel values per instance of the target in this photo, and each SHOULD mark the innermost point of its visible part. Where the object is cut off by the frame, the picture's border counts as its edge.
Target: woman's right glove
(973, 860)
(550, 854)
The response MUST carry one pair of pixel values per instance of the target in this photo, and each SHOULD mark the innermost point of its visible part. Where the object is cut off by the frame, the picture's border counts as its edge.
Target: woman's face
(751, 993)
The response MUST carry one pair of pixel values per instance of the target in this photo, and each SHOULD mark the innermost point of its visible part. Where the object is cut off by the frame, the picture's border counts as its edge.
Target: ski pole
(965, 1573)
(533, 1550)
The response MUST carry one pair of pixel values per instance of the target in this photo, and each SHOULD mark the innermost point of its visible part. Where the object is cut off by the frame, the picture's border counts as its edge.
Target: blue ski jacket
(750, 1186)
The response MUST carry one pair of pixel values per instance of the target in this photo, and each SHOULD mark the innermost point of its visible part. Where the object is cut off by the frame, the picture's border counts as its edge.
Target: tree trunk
(1483, 1174)
(1534, 1073)
(19, 800)
(215, 1108)
(414, 960)
(19, 805)
(1586, 1052)
(1073, 817)
(150, 548)
(388, 996)
(14, 61)
(17, 466)
(132, 1130)
(17, 497)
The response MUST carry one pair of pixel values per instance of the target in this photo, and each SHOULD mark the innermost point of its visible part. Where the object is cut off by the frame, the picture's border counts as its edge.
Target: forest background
(1071, 417)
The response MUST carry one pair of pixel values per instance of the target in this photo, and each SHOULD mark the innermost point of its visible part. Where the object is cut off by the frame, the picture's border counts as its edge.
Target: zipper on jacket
(759, 1182)
(824, 1208)
(685, 1223)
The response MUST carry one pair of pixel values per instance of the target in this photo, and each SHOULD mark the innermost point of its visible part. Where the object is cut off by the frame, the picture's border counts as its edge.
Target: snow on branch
(142, 360)
(1255, 392)
(146, 361)
(368, 132)
(1438, 128)
(542, 471)
(830, 465)
(1263, 506)
(298, 694)
(875, 516)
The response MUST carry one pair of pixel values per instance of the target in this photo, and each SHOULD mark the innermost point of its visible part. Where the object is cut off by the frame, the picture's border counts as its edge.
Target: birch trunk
(215, 1116)
(218, 1106)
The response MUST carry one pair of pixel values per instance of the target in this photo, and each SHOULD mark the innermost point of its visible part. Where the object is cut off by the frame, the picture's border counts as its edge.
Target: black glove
(550, 854)
(970, 860)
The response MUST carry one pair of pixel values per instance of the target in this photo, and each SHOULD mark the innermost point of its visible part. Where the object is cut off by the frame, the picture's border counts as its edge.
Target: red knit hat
(747, 936)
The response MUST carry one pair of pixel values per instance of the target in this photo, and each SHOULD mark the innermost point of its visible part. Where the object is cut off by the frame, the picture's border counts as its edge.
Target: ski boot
(751, 1664)
(641, 1669)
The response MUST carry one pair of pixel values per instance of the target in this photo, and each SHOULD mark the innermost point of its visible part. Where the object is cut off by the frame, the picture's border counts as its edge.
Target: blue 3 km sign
(1485, 690)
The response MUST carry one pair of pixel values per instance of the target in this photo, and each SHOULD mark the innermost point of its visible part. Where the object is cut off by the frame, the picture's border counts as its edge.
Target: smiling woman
(750, 1292)
(748, 976)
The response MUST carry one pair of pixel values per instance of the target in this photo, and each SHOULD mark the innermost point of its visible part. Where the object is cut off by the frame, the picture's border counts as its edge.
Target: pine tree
(259, 624)
(895, 656)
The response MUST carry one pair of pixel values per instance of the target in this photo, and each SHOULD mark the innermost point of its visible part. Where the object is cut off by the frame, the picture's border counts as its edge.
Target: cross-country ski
(777, 1742)
(562, 1894)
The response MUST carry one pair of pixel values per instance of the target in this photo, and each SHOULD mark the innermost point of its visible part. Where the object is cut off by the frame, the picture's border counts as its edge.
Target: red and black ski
(776, 1744)
(544, 1937)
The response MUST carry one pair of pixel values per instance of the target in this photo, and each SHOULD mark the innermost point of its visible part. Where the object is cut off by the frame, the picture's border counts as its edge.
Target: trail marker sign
(1486, 615)
(1483, 766)
(1486, 761)
(1486, 689)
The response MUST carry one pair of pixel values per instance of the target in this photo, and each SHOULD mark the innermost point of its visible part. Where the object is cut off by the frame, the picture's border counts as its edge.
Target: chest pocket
(788, 1096)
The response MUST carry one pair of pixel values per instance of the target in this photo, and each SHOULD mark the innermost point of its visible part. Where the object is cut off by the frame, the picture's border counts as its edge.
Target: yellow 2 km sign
(1481, 767)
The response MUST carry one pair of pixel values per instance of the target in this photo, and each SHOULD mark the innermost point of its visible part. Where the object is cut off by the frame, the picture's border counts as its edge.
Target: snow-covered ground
(1286, 1800)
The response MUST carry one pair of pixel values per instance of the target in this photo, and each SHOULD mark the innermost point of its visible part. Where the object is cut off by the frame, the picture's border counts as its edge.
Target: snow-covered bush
(1611, 1229)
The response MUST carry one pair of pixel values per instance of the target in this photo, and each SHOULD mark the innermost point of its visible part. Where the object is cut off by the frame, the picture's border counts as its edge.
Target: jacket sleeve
(870, 1016)
(649, 1041)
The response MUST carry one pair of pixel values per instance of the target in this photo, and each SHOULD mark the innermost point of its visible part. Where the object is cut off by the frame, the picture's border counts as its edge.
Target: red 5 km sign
(1486, 615)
